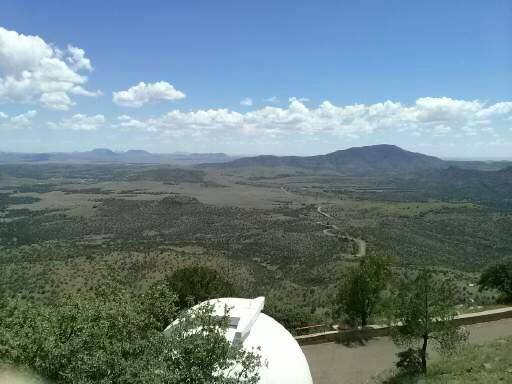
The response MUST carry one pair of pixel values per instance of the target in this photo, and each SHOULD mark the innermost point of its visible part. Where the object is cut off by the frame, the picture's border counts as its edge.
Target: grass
(473, 364)
(484, 363)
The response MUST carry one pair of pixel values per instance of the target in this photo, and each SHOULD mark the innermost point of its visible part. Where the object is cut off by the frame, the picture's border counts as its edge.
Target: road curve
(361, 244)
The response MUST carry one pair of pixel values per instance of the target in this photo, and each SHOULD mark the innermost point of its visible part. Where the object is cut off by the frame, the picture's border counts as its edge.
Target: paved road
(332, 363)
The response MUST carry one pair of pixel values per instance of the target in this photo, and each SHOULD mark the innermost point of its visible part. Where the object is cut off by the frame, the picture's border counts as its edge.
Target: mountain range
(356, 160)
(373, 159)
(103, 155)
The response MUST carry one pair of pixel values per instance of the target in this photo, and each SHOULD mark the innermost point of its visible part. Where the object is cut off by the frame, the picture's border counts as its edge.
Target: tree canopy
(361, 286)
(424, 309)
(115, 337)
(196, 284)
(498, 276)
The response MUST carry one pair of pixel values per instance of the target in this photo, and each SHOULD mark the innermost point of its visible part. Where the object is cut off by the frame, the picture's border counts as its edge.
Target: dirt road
(332, 363)
(361, 244)
(333, 229)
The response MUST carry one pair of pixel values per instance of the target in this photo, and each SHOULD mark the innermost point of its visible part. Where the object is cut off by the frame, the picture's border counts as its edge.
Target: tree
(196, 284)
(498, 276)
(159, 305)
(424, 309)
(361, 286)
(290, 315)
(112, 338)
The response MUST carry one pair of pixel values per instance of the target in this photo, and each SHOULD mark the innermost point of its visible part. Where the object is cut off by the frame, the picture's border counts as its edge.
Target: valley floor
(333, 363)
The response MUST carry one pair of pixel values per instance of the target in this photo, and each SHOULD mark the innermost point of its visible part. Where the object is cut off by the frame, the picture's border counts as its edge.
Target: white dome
(285, 361)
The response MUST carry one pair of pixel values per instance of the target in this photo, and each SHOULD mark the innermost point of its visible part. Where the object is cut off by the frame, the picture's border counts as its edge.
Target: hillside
(356, 160)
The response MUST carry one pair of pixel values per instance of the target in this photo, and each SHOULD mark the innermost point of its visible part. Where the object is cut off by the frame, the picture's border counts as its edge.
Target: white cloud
(34, 71)
(272, 100)
(435, 116)
(301, 99)
(247, 102)
(127, 122)
(143, 93)
(441, 130)
(77, 59)
(79, 122)
(23, 120)
(503, 108)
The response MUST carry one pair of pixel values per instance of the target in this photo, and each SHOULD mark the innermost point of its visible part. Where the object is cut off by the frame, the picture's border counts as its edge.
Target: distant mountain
(356, 160)
(105, 155)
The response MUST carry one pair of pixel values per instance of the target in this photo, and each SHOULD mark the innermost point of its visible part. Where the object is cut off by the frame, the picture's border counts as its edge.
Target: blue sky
(282, 77)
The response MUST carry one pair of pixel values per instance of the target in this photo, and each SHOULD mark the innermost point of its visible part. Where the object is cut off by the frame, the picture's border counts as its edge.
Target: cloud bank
(442, 116)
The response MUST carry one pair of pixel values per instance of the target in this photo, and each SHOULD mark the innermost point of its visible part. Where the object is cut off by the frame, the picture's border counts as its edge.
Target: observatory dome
(285, 361)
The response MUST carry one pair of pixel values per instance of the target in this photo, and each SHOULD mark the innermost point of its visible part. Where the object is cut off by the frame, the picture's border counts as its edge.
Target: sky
(257, 77)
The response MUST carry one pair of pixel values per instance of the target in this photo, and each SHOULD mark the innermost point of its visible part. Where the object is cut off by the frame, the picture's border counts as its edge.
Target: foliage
(196, 284)
(424, 308)
(111, 338)
(361, 286)
(290, 315)
(476, 364)
(159, 305)
(409, 361)
(498, 276)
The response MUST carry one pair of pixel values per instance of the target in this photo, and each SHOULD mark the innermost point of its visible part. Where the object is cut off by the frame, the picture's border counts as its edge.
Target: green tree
(159, 305)
(360, 288)
(112, 338)
(424, 308)
(196, 284)
(290, 315)
(498, 276)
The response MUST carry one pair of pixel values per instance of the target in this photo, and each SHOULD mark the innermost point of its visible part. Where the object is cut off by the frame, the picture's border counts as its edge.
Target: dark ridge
(353, 160)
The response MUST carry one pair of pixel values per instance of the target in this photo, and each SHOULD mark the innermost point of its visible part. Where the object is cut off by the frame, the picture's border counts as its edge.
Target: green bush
(409, 361)
(111, 337)
(196, 284)
(498, 276)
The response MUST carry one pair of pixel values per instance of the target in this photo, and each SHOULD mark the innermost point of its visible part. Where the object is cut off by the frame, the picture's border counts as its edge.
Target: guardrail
(384, 330)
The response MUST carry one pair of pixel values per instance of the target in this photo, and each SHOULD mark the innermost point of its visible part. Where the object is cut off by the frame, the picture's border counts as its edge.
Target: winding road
(334, 231)
(361, 244)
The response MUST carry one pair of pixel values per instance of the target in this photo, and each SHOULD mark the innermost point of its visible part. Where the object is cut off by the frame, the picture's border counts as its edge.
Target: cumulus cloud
(77, 59)
(23, 120)
(34, 71)
(435, 116)
(79, 122)
(143, 93)
(127, 122)
(247, 102)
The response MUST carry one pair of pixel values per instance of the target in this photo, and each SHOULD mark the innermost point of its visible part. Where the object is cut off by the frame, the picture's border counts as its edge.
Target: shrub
(409, 361)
